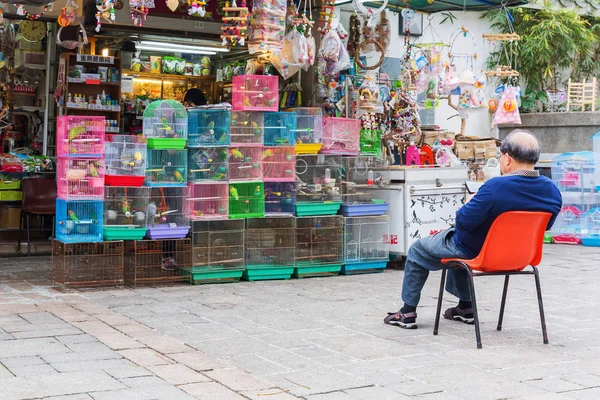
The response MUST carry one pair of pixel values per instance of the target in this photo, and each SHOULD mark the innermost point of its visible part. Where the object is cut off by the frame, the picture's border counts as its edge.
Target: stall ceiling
(447, 5)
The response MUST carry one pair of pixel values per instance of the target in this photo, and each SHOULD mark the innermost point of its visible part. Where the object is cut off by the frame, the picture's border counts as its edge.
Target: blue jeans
(425, 255)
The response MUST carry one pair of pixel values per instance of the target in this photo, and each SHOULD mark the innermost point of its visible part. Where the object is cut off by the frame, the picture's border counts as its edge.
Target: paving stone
(165, 345)
(41, 332)
(586, 380)
(82, 396)
(145, 357)
(322, 380)
(375, 392)
(127, 371)
(199, 361)
(237, 379)
(33, 370)
(331, 396)
(210, 391)
(153, 393)
(144, 382)
(584, 394)
(21, 361)
(31, 347)
(5, 372)
(119, 341)
(177, 374)
(105, 365)
(76, 339)
(554, 384)
(271, 394)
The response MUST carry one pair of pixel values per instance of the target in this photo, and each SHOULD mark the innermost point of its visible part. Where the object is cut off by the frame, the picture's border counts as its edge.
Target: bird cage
(364, 186)
(166, 168)
(165, 124)
(125, 160)
(370, 142)
(79, 221)
(125, 212)
(217, 251)
(208, 200)
(246, 200)
(80, 136)
(280, 198)
(156, 261)
(590, 231)
(574, 172)
(208, 128)
(319, 246)
(318, 180)
(167, 213)
(279, 164)
(270, 248)
(85, 265)
(280, 128)
(341, 136)
(366, 244)
(596, 141)
(245, 163)
(255, 93)
(309, 130)
(207, 164)
(80, 179)
(247, 128)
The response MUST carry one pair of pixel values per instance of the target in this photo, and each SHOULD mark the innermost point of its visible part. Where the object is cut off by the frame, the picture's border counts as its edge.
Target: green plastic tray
(166, 144)
(308, 271)
(267, 272)
(311, 209)
(247, 215)
(11, 195)
(10, 185)
(202, 275)
(123, 233)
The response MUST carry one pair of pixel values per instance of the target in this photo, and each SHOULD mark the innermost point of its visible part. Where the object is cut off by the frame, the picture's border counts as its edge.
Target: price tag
(127, 84)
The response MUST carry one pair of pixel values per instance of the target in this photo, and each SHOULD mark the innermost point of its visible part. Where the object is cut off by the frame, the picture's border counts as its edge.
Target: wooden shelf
(150, 75)
(91, 110)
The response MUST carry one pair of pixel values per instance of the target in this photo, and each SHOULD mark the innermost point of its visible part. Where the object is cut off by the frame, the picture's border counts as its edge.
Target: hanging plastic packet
(292, 57)
(369, 98)
(333, 56)
(311, 50)
(507, 111)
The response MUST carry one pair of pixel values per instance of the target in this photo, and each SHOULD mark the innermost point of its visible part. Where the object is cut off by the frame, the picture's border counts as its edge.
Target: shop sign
(95, 59)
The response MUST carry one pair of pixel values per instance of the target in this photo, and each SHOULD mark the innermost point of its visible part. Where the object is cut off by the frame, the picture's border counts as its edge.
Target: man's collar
(523, 172)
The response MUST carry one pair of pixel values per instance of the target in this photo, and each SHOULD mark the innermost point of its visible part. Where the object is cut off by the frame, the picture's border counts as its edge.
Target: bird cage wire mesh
(207, 164)
(366, 239)
(218, 245)
(125, 160)
(167, 213)
(157, 261)
(80, 179)
(166, 168)
(319, 240)
(208, 200)
(208, 128)
(125, 212)
(270, 242)
(165, 119)
(80, 136)
(318, 178)
(79, 220)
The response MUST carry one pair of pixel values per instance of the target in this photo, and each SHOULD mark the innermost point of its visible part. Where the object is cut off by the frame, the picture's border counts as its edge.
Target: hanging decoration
(383, 32)
(267, 28)
(72, 44)
(235, 19)
(22, 11)
(138, 11)
(68, 14)
(354, 34)
(327, 13)
(197, 7)
(105, 9)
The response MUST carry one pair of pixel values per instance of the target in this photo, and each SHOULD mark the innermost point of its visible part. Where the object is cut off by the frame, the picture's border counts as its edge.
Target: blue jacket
(499, 195)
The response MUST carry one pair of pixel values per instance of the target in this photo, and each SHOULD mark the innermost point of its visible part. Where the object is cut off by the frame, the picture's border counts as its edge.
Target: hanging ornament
(354, 35)
(197, 7)
(382, 31)
(2, 22)
(22, 11)
(235, 21)
(68, 14)
(138, 11)
(105, 9)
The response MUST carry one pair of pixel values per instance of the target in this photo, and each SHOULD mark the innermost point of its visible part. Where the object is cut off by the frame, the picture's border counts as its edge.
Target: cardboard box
(468, 148)
(10, 216)
(155, 64)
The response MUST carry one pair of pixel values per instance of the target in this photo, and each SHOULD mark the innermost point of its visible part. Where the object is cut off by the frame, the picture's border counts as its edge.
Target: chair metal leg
(474, 302)
(503, 302)
(20, 232)
(28, 238)
(541, 304)
(439, 304)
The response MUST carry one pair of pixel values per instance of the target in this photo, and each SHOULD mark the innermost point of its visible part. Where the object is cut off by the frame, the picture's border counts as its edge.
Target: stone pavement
(314, 339)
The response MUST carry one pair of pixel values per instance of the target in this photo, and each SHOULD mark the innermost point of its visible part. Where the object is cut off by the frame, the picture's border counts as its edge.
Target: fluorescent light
(105, 51)
(183, 46)
(340, 2)
(165, 49)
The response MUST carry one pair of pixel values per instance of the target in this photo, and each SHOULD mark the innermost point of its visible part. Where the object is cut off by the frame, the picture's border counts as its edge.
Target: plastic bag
(369, 98)
(333, 56)
(312, 51)
(293, 56)
(491, 169)
(507, 111)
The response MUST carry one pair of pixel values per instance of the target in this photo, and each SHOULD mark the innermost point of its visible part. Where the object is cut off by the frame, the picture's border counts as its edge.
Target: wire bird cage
(341, 136)
(255, 93)
(591, 227)
(270, 248)
(318, 181)
(309, 130)
(370, 142)
(279, 164)
(245, 163)
(208, 164)
(247, 128)
(125, 160)
(125, 213)
(557, 100)
(596, 144)
(365, 181)
(157, 261)
(208, 128)
(80, 136)
(280, 198)
(246, 200)
(80, 179)
(208, 200)
(319, 246)
(280, 128)
(165, 124)
(79, 221)
(217, 251)
(573, 174)
(167, 213)
(166, 168)
(366, 244)
(85, 265)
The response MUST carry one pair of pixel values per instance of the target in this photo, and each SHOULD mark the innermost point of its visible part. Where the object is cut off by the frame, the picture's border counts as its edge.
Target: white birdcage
(364, 185)
(319, 246)
(318, 180)
(366, 243)
(125, 212)
(125, 160)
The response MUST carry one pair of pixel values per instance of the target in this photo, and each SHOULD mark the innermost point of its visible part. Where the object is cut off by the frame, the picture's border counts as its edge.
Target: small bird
(257, 192)
(267, 153)
(151, 212)
(247, 102)
(256, 128)
(73, 216)
(211, 126)
(93, 171)
(234, 193)
(137, 156)
(125, 207)
(164, 124)
(236, 154)
(76, 131)
(178, 176)
(288, 155)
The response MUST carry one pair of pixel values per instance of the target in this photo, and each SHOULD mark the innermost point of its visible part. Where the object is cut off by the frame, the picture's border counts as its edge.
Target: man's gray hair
(521, 146)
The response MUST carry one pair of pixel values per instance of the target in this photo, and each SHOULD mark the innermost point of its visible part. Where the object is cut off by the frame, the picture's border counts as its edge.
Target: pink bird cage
(279, 164)
(80, 179)
(341, 136)
(80, 136)
(208, 201)
(247, 128)
(245, 164)
(255, 93)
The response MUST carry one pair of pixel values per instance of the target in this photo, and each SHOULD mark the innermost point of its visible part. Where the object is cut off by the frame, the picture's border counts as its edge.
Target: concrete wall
(560, 132)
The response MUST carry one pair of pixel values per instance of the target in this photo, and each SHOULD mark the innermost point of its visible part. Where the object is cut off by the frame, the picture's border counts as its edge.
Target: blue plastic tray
(363, 268)
(359, 210)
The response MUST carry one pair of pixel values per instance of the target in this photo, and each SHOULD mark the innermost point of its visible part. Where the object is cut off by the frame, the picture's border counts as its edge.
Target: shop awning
(447, 5)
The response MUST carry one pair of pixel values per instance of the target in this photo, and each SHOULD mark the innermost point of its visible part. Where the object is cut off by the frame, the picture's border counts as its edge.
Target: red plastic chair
(514, 241)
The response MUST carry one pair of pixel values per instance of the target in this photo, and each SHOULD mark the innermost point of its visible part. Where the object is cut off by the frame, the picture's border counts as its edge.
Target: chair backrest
(514, 241)
(39, 195)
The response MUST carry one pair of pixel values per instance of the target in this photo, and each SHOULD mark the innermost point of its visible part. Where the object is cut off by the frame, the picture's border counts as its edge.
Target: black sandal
(406, 321)
(458, 314)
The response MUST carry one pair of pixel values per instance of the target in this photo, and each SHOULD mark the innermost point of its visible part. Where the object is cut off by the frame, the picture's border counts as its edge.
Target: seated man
(521, 188)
